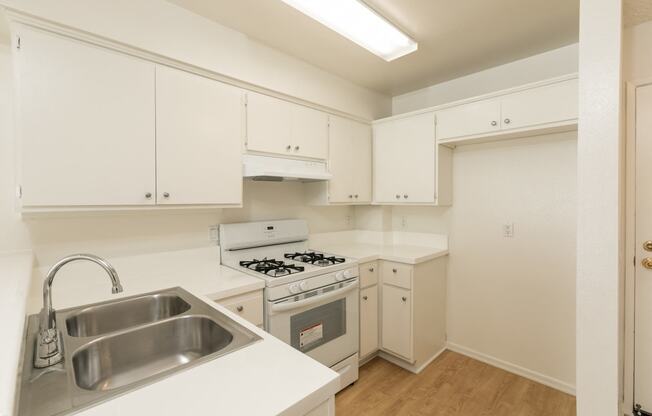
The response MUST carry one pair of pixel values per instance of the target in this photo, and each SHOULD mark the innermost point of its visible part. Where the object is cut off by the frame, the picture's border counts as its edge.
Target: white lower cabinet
(403, 311)
(368, 321)
(248, 305)
(397, 321)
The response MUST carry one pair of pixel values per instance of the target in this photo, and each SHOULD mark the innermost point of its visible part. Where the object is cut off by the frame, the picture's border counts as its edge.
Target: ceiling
(456, 37)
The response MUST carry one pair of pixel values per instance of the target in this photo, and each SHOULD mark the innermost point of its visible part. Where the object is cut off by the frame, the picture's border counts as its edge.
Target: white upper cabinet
(349, 161)
(85, 123)
(546, 104)
(198, 139)
(548, 107)
(404, 160)
(283, 128)
(470, 119)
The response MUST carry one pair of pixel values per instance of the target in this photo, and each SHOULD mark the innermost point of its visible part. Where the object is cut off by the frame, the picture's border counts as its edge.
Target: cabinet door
(547, 104)
(362, 162)
(386, 149)
(397, 321)
(269, 124)
(85, 124)
(349, 161)
(404, 160)
(198, 139)
(468, 120)
(368, 320)
(309, 132)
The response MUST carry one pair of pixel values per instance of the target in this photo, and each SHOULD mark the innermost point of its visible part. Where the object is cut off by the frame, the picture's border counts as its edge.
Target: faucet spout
(48, 348)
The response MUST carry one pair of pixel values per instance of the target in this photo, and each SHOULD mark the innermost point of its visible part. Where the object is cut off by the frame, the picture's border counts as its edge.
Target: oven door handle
(286, 306)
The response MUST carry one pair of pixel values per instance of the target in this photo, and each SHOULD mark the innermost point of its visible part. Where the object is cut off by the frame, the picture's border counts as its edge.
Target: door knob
(148, 195)
(647, 246)
(507, 121)
(404, 299)
(166, 195)
(494, 123)
(647, 263)
(365, 298)
(288, 147)
(296, 148)
(240, 308)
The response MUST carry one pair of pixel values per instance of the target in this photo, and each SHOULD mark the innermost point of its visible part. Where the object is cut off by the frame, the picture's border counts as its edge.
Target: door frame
(630, 241)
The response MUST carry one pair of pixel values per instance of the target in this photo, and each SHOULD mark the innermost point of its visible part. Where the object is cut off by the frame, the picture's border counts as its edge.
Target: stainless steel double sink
(113, 347)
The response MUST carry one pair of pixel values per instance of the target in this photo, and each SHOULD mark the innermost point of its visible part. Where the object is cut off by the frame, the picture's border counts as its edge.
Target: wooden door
(643, 297)
(368, 320)
(269, 125)
(397, 321)
(468, 119)
(309, 132)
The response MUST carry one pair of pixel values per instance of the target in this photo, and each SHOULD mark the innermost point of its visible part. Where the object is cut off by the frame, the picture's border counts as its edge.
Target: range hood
(269, 168)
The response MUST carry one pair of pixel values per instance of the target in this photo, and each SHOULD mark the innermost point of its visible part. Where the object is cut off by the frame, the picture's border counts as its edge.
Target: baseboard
(513, 368)
(407, 366)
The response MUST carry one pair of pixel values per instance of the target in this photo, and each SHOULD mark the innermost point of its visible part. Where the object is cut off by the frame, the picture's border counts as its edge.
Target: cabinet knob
(355, 196)
(240, 308)
(647, 246)
(350, 196)
(507, 121)
(148, 195)
(166, 194)
(288, 147)
(405, 196)
(296, 148)
(404, 299)
(364, 298)
(394, 270)
(398, 196)
(494, 123)
(371, 269)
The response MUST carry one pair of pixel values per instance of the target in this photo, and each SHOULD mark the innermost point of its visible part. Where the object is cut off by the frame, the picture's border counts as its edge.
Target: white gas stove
(311, 298)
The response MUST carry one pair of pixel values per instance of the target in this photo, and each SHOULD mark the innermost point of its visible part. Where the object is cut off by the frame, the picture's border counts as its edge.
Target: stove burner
(312, 257)
(271, 267)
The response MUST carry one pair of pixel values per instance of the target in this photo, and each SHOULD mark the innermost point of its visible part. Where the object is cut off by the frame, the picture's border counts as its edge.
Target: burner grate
(316, 258)
(271, 267)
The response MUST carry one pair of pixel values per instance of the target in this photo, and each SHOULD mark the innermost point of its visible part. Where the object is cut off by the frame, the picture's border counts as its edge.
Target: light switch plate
(508, 230)
(213, 234)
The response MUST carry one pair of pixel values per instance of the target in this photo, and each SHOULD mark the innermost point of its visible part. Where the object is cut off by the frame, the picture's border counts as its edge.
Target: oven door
(322, 323)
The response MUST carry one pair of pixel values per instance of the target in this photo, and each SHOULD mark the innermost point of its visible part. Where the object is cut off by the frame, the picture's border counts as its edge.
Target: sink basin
(122, 314)
(119, 360)
(111, 348)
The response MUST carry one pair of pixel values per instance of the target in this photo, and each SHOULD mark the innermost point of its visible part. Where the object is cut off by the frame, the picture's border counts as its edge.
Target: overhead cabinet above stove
(287, 129)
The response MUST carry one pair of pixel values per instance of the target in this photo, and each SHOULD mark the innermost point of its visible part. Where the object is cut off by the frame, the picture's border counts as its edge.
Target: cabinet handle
(364, 298)
(398, 196)
(166, 194)
(405, 196)
(371, 269)
(350, 196)
(240, 308)
(507, 121)
(404, 299)
(494, 123)
(355, 196)
(394, 270)
(148, 195)
(296, 148)
(288, 147)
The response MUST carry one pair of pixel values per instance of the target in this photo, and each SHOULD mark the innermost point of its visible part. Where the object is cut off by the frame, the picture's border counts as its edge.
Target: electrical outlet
(213, 234)
(348, 219)
(508, 230)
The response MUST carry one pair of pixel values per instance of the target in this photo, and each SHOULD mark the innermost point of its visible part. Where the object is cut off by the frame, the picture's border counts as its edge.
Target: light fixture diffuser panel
(360, 24)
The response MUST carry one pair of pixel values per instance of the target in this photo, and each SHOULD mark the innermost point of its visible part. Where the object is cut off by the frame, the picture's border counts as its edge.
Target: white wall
(599, 231)
(549, 64)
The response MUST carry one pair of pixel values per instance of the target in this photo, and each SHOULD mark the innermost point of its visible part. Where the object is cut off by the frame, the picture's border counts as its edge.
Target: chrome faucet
(48, 343)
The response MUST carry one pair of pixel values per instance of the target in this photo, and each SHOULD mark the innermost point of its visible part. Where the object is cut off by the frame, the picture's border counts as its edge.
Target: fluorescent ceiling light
(356, 21)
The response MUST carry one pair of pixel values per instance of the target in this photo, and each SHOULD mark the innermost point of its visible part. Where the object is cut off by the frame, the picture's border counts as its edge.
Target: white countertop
(268, 377)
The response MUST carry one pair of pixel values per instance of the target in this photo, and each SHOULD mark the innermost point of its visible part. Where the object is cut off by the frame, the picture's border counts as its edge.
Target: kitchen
(442, 204)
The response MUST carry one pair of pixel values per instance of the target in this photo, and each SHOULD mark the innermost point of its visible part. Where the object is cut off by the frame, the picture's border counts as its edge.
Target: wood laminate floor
(451, 385)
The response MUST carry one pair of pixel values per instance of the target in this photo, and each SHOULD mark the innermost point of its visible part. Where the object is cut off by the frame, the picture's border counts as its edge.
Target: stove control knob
(348, 274)
(295, 288)
(339, 276)
(303, 286)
